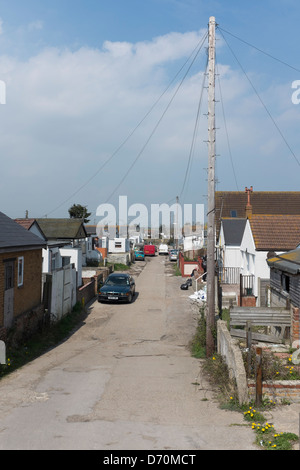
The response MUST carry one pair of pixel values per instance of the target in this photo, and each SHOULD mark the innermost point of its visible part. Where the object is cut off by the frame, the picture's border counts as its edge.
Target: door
(8, 293)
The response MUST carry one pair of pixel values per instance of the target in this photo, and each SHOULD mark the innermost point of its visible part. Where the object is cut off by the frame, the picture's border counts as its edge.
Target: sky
(106, 98)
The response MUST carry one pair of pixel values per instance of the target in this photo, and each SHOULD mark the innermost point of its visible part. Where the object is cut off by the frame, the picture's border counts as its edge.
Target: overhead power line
(257, 48)
(226, 130)
(188, 168)
(263, 104)
(195, 51)
(157, 124)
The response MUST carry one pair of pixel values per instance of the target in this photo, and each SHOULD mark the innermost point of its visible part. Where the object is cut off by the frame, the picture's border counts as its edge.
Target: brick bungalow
(20, 279)
(233, 204)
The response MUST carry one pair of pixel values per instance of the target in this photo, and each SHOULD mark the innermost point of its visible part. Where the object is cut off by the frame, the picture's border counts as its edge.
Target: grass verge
(42, 341)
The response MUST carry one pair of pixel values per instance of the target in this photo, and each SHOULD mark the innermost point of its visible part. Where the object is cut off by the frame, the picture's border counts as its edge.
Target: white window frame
(20, 274)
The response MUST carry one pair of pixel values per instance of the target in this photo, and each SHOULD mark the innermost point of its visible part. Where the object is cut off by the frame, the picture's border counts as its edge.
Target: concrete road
(124, 380)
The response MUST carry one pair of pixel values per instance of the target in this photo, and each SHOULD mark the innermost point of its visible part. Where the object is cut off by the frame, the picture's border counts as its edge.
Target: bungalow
(245, 244)
(20, 277)
(285, 286)
(235, 204)
(65, 240)
(251, 224)
(285, 279)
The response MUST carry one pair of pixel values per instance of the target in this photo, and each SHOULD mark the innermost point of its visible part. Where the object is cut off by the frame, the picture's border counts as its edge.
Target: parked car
(173, 255)
(163, 249)
(117, 287)
(139, 252)
(149, 250)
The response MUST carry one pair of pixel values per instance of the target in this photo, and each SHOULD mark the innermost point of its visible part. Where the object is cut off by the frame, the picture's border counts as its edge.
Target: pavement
(125, 380)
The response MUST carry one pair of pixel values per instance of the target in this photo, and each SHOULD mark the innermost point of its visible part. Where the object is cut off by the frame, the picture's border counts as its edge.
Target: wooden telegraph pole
(210, 312)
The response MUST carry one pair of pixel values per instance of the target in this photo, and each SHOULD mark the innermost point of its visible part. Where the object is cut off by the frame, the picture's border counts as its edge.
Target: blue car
(117, 287)
(139, 252)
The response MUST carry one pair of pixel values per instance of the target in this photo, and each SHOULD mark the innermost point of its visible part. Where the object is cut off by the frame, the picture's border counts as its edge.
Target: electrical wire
(263, 104)
(195, 131)
(260, 50)
(157, 124)
(196, 51)
(226, 130)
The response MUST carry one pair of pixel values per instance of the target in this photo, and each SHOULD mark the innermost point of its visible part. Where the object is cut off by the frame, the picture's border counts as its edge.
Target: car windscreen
(117, 281)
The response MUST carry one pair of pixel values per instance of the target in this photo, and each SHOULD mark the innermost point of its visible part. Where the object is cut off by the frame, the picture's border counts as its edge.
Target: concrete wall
(63, 292)
(124, 258)
(75, 255)
(232, 355)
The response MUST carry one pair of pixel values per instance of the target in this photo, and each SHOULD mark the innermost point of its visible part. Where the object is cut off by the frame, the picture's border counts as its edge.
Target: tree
(77, 211)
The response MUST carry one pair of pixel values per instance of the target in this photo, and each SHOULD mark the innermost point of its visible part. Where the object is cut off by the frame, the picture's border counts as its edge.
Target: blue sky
(81, 75)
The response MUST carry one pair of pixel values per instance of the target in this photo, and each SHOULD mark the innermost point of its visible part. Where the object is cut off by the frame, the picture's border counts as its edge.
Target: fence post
(258, 400)
(249, 343)
(241, 290)
(2, 353)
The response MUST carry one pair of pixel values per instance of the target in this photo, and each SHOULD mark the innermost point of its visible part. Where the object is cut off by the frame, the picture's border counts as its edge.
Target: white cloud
(68, 111)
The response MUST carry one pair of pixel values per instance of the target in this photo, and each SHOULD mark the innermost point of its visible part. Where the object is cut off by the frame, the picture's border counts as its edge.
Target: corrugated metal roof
(13, 235)
(288, 262)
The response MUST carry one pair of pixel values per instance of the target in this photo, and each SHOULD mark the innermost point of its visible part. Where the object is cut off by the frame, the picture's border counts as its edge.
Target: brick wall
(279, 390)
(86, 292)
(247, 301)
(26, 324)
(27, 296)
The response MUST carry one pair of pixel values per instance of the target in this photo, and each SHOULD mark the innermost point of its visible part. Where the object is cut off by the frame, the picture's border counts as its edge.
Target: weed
(120, 267)
(42, 341)
(198, 343)
(268, 438)
(218, 375)
(273, 368)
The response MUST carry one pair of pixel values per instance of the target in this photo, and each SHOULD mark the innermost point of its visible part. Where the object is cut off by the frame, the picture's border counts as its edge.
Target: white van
(163, 249)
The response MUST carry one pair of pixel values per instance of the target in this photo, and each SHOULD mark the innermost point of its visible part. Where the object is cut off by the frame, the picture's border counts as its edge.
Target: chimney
(248, 208)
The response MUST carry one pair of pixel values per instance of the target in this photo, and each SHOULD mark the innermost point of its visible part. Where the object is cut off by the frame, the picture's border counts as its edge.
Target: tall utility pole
(210, 312)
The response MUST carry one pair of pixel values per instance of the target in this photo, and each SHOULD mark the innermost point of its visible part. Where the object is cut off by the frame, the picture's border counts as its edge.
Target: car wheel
(130, 298)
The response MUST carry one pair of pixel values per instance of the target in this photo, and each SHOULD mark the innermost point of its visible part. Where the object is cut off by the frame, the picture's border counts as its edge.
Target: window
(285, 282)
(20, 270)
(66, 260)
(233, 213)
